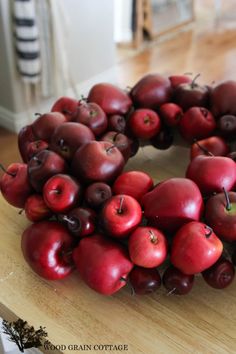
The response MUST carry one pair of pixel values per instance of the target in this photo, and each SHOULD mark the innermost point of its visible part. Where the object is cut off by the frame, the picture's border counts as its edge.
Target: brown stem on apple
(20, 211)
(228, 204)
(132, 290)
(209, 231)
(207, 152)
(153, 237)
(68, 219)
(123, 279)
(146, 119)
(37, 114)
(120, 210)
(5, 171)
(171, 292)
(92, 113)
(194, 80)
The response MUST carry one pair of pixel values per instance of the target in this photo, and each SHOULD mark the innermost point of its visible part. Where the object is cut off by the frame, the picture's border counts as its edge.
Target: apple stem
(123, 279)
(37, 114)
(68, 219)
(20, 211)
(207, 152)
(153, 237)
(171, 292)
(228, 204)
(194, 80)
(120, 210)
(66, 111)
(210, 231)
(5, 171)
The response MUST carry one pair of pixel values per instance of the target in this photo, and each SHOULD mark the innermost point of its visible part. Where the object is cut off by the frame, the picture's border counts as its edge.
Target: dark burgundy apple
(163, 140)
(151, 91)
(144, 123)
(171, 114)
(177, 282)
(34, 147)
(103, 264)
(191, 95)
(96, 194)
(176, 80)
(232, 155)
(36, 208)
(214, 145)
(220, 214)
(144, 280)
(223, 99)
(14, 184)
(25, 137)
(110, 98)
(234, 257)
(227, 126)
(197, 123)
(135, 144)
(120, 215)
(44, 165)
(117, 123)
(97, 161)
(61, 193)
(220, 275)
(81, 222)
(69, 137)
(45, 246)
(44, 126)
(92, 115)
(212, 173)
(121, 141)
(173, 203)
(66, 105)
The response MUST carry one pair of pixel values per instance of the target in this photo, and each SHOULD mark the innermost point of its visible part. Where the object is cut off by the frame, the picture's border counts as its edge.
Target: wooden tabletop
(202, 322)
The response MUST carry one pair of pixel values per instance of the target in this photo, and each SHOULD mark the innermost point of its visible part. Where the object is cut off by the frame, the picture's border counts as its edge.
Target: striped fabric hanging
(26, 40)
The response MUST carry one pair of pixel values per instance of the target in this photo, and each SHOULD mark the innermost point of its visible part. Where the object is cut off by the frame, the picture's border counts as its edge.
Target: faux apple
(103, 264)
(133, 183)
(176, 80)
(45, 246)
(44, 165)
(212, 173)
(110, 98)
(173, 203)
(92, 115)
(121, 141)
(96, 194)
(97, 161)
(68, 137)
(163, 140)
(34, 147)
(171, 114)
(144, 280)
(147, 247)
(151, 91)
(61, 193)
(144, 123)
(197, 123)
(214, 145)
(67, 106)
(220, 275)
(134, 146)
(195, 248)
(120, 215)
(176, 282)
(36, 208)
(81, 222)
(44, 126)
(14, 184)
(232, 155)
(220, 214)
(117, 123)
(227, 126)
(25, 137)
(223, 99)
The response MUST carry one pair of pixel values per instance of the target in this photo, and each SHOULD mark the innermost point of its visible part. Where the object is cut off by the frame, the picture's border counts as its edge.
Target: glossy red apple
(212, 173)
(96, 194)
(68, 137)
(97, 161)
(110, 98)
(61, 193)
(173, 203)
(133, 183)
(36, 208)
(151, 91)
(81, 222)
(144, 123)
(144, 280)
(44, 126)
(103, 264)
(25, 137)
(15, 186)
(45, 246)
(220, 275)
(171, 114)
(117, 123)
(147, 247)
(195, 248)
(214, 145)
(120, 215)
(176, 282)
(66, 105)
(121, 141)
(34, 147)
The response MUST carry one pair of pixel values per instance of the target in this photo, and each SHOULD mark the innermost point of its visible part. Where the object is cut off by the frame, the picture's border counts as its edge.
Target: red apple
(45, 246)
(120, 215)
(147, 247)
(34, 147)
(121, 141)
(220, 274)
(144, 123)
(81, 222)
(96, 194)
(36, 208)
(163, 140)
(43, 127)
(103, 264)
(117, 123)
(223, 99)
(227, 126)
(144, 280)
(195, 248)
(177, 282)
(171, 114)
(214, 145)
(66, 105)
(25, 137)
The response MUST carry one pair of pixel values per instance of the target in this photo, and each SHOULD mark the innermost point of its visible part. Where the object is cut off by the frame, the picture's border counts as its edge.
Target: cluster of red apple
(118, 227)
